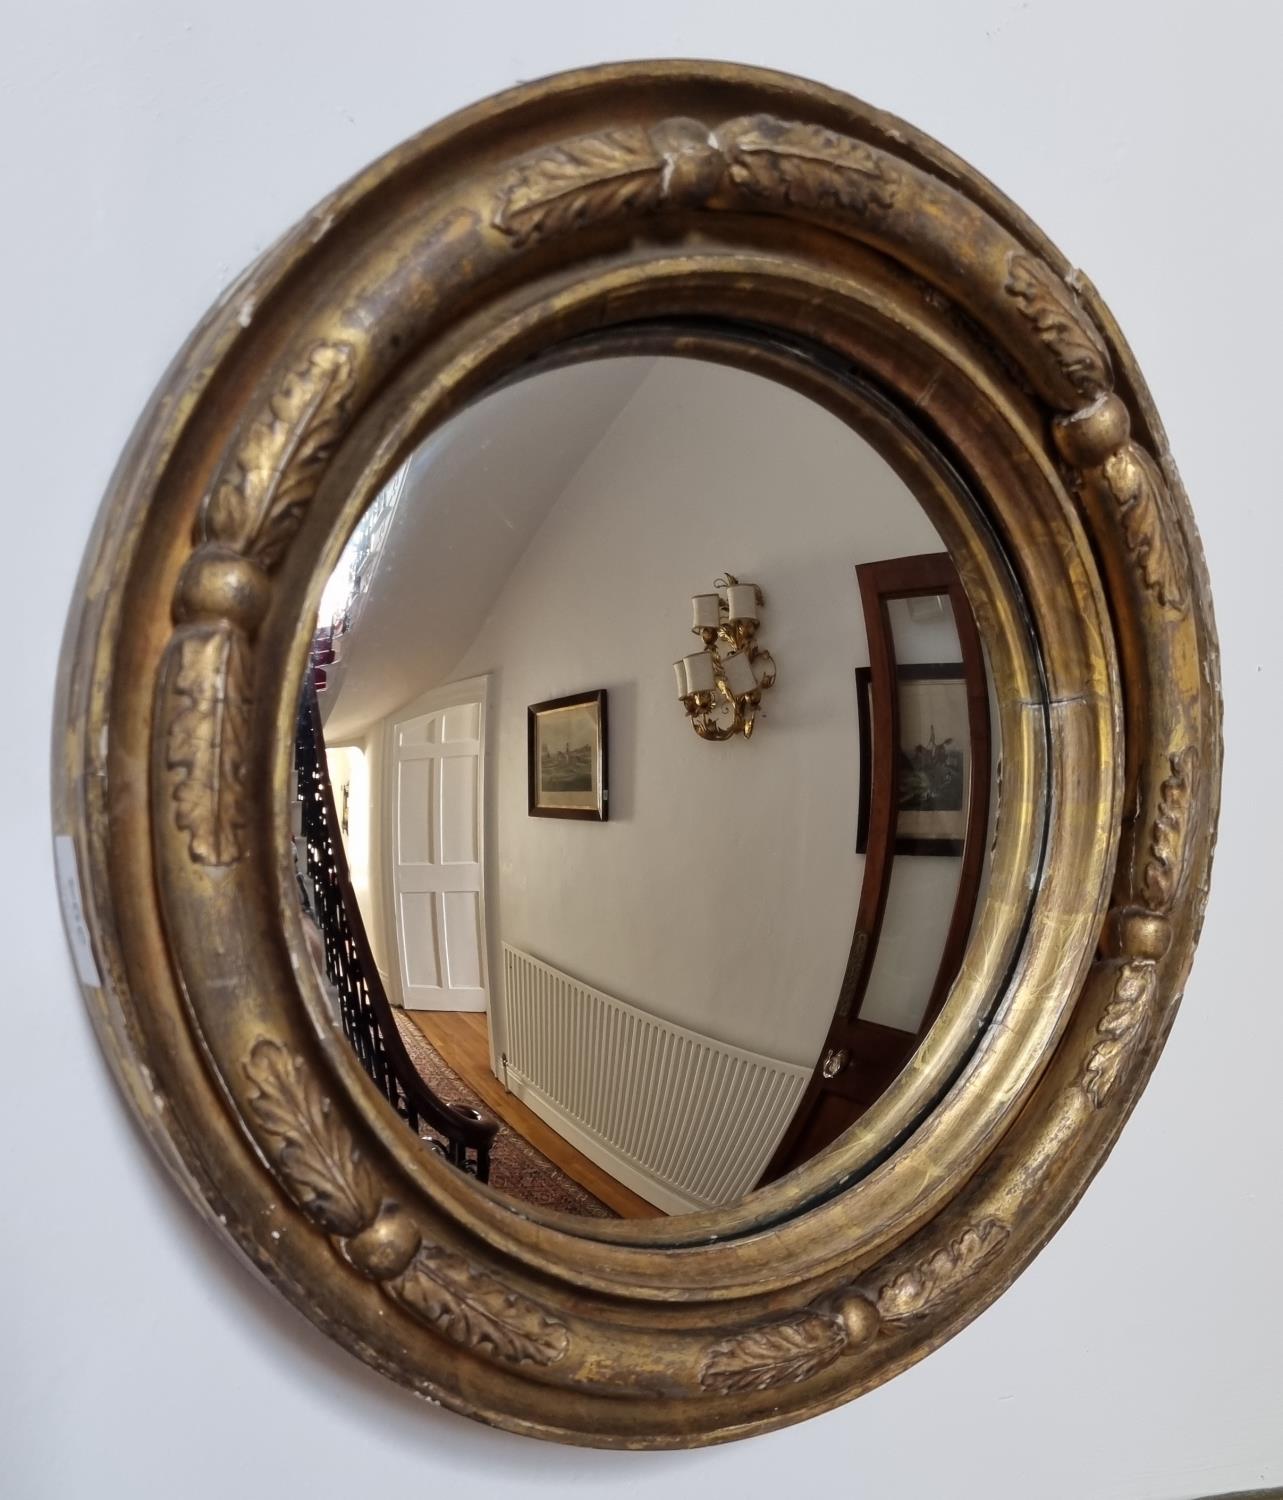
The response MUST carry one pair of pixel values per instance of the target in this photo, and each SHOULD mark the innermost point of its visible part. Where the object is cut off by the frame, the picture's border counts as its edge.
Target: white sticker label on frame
(73, 911)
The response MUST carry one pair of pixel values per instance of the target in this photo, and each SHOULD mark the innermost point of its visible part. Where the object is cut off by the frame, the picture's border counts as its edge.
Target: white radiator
(685, 1121)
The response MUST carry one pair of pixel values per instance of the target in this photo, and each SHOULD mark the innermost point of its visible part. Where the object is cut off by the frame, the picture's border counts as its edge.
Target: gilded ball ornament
(694, 174)
(1136, 933)
(695, 164)
(220, 584)
(1088, 437)
(859, 1318)
(386, 1247)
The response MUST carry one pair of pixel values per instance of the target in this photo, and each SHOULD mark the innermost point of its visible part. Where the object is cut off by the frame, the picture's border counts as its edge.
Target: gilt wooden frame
(594, 205)
(598, 699)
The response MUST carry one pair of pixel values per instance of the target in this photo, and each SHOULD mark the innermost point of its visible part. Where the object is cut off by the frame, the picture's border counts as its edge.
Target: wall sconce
(722, 693)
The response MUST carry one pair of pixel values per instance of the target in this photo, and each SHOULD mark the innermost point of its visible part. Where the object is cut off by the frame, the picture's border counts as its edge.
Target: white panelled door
(438, 843)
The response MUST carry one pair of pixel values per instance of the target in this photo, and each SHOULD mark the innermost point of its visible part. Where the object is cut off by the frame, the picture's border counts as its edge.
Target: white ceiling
(475, 495)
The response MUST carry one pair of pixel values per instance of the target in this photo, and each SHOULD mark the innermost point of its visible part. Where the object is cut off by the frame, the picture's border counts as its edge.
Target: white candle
(742, 601)
(679, 671)
(699, 672)
(739, 674)
(706, 610)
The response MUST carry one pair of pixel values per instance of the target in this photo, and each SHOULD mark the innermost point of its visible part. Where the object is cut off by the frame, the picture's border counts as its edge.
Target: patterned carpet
(515, 1166)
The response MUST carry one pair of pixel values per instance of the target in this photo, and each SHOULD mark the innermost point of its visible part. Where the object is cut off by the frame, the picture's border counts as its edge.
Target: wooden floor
(463, 1040)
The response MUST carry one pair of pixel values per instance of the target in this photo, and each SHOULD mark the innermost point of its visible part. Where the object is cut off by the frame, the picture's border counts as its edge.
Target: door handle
(834, 1060)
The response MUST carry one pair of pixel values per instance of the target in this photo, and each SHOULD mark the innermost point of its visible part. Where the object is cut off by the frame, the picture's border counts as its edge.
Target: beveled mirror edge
(961, 1259)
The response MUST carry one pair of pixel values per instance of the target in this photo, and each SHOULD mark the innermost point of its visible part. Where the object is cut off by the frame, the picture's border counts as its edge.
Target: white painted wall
(349, 769)
(721, 893)
(150, 149)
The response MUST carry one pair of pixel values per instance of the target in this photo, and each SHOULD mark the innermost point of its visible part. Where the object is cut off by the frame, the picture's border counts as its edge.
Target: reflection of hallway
(462, 1040)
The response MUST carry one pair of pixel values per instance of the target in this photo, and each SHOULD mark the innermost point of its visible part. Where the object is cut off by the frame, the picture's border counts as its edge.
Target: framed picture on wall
(566, 752)
(933, 758)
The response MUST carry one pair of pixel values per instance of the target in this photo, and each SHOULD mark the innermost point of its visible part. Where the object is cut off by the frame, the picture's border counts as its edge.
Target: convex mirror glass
(607, 885)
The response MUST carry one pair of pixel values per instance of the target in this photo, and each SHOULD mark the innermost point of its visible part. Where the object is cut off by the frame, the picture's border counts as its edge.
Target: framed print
(567, 759)
(933, 758)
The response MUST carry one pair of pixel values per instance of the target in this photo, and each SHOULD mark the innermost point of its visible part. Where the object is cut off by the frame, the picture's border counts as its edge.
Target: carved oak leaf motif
(316, 1156)
(1167, 846)
(917, 1290)
(581, 181)
(470, 1307)
(1138, 489)
(807, 166)
(1125, 1021)
(1066, 333)
(1122, 1027)
(255, 514)
(209, 707)
(282, 458)
(776, 1354)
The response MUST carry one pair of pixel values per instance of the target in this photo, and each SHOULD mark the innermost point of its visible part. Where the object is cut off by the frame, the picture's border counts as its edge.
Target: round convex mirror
(644, 781)
(638, 754)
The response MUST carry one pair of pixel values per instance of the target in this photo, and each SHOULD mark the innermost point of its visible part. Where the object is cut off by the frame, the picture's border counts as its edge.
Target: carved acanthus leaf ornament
(807, 167)
(327, 1177)
(583, 181)
(917, 1290)
(788, 1350)
(1137, 487)
(1048, 305)
(1167, 844)
(244, 529)
(207, 742)
(1142, 935)
(594, 179)
(315, 1155)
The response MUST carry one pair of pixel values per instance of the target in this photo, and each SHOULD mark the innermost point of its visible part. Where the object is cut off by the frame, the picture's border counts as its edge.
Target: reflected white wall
(721, 895)
(349, 769)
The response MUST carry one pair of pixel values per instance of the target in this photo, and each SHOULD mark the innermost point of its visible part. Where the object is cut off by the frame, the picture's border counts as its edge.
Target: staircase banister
(460, 1124)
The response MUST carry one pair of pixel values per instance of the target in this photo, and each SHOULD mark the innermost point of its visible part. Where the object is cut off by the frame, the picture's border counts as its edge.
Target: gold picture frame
(936, 694)
(681, 207)
(568, 757)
